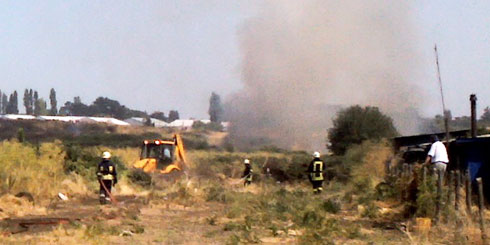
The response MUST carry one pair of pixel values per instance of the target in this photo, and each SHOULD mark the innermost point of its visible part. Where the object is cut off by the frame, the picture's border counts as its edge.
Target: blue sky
(461, 30)
(162, 55)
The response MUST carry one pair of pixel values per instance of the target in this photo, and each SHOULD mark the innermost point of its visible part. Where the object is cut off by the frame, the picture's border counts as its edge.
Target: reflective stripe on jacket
(317, 171)
(108, 177)
(249, 176)
(107, 171)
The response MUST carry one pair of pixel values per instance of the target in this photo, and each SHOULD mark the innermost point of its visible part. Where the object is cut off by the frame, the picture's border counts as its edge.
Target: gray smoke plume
(303, 60)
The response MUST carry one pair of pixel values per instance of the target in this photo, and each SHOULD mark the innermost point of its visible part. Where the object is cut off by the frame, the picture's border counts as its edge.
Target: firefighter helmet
(106, 155)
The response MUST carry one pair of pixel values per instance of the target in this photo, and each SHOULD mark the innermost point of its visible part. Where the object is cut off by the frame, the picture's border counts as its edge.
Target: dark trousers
(247, 182)
(317, 186)
(104, 197)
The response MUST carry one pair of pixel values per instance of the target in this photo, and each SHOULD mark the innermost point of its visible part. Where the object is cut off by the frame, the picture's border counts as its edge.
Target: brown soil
(130, 221)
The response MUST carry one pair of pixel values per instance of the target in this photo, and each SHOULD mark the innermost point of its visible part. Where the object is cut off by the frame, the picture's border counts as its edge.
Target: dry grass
(128, 155)
(38, 171)
(373, 164)
(215, 208)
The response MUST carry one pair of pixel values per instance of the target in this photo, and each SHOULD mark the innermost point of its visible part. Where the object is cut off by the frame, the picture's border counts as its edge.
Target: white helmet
(246, 161)
(106, 155)
(316, 154)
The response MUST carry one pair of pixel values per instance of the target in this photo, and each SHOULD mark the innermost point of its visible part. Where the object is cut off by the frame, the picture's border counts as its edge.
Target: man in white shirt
(437, 155)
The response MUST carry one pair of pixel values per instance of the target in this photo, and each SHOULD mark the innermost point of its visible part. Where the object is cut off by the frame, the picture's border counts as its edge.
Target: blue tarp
(474, 168)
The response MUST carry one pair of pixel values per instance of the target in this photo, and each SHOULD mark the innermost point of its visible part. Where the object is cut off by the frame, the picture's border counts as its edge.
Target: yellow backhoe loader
(162, 156)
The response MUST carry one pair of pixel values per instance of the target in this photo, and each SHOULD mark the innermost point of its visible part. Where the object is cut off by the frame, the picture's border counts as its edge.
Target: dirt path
(132, 221)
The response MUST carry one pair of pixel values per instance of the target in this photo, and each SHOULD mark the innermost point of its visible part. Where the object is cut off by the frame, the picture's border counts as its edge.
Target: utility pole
(473, 116)
(444, 112)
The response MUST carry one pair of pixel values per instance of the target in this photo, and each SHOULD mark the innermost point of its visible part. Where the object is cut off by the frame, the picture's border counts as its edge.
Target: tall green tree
(5, 103)
(16, 103)
(485, 117)
(9, 105)
(28, 102)
(173, 115)
(159, 115)
(106, 107)
(37, 105)
(75, 108)
(54, 103)
(357, 124)
(13, 104)
(43, 107)
(215, 108)
(31, 99)
(77, 100)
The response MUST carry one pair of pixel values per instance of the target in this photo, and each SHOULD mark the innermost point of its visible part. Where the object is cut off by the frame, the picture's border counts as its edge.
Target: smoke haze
(303, 60)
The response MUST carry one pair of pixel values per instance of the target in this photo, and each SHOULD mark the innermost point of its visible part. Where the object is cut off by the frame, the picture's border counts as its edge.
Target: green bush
(371, 210)
(232, 227)
(195, 141)
(21, 137)
(204, 127)
(357, 124)
(289, 166)
(426, 197)
(311, 218)
(84, 161)
(331, 206)
(139, 177)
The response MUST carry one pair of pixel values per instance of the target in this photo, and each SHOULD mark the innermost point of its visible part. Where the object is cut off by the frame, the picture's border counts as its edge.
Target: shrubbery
(27, 168)
(212, 126)
(139, 177)
(84, 161)
(289, 166)
(357, 124)
(276, 210)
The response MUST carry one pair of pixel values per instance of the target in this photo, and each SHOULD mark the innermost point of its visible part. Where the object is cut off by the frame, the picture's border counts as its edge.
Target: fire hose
(113, 199)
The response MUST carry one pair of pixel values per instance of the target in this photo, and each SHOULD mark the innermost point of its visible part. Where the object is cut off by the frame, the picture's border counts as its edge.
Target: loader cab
(162, 151)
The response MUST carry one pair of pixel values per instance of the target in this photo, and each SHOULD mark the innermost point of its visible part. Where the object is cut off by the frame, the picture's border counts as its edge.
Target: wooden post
(458, 184)
(481, 209)
(468, 192)
(439, 196)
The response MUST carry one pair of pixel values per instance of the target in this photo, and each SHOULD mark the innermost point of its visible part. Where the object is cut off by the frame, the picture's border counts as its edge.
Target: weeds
(94, 230)
(211, 220)
(138, 229)
(331, 206)
(426, 198)
(283, 166)
(139, 177)
(21, 166)
(218, 194)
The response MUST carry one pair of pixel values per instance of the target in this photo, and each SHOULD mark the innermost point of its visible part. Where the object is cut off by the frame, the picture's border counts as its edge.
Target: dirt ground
(136, 219)
(131, 221)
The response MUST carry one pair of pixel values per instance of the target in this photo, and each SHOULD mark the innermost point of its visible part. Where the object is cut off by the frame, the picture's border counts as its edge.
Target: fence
(448, 190)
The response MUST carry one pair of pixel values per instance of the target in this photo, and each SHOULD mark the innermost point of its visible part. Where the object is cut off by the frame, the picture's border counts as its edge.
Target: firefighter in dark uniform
(247, 173)
(315, 173)
(107, 176)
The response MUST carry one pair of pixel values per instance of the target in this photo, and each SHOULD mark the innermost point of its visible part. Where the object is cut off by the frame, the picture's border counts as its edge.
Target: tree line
(102, 106)
(436, 124)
